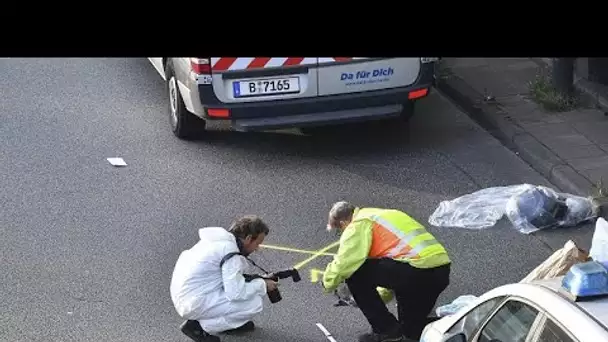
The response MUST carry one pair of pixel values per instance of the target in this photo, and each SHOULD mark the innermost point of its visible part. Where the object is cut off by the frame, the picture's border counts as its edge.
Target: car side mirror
(457, 337)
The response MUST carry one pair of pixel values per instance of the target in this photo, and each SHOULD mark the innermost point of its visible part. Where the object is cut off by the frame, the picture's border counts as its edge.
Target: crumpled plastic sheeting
(521, 204)
(455, 306)
(478, 210)
(520, 210)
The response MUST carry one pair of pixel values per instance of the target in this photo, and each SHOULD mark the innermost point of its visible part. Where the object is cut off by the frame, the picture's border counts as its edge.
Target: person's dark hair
(249, 225)
(340, 211)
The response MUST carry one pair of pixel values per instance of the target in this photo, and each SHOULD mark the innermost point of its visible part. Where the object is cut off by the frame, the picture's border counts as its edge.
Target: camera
(275, 296)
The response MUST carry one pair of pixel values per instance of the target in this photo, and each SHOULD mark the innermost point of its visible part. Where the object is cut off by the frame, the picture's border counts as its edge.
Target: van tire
(184, 124)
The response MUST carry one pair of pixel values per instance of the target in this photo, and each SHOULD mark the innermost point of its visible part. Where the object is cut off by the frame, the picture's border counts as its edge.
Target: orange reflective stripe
(383, 240)
(389, 241)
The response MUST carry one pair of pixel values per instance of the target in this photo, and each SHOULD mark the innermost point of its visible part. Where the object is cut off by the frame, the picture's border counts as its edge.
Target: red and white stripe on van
(221, 64)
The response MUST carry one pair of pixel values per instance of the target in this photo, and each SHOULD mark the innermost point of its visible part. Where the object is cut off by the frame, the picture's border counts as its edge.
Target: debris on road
(455, 306)
(117, 162)
(528, 207)
(558, 264)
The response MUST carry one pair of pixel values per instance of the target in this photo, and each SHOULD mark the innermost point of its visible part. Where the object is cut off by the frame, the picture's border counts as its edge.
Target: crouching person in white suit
(216, 299)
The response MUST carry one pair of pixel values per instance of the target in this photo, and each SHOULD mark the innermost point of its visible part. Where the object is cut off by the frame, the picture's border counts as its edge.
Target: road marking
(295, 250)
(326, 333)
(316, 255)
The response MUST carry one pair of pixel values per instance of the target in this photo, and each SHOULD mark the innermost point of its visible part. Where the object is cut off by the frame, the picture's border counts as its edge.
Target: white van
(267, 93)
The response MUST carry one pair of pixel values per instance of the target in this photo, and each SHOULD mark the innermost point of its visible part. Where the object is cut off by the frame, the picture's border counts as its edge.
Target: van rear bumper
(318, 118)
(317, 111)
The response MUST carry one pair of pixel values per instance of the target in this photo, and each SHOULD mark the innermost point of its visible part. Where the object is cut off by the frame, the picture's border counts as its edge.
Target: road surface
(87, 249)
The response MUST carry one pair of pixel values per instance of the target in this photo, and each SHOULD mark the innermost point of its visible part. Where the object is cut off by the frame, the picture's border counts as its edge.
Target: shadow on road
(353, 140)
(378, 151)
(404, 155)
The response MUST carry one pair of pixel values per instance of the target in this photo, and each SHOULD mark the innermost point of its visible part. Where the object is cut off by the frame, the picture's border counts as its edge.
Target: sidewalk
(568, 148)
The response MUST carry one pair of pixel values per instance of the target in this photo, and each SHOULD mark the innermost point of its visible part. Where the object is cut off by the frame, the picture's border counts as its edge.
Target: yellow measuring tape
(296, 250)
(315, 274)
(316, 255)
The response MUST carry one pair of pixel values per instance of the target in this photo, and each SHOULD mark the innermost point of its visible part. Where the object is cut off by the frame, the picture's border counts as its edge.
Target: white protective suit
(219, 299)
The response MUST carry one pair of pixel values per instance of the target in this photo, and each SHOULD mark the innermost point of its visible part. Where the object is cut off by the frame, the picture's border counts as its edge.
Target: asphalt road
(87, 249)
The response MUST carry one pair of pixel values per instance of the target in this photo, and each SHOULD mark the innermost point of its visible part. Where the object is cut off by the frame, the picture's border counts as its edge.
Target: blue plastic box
(586, 279)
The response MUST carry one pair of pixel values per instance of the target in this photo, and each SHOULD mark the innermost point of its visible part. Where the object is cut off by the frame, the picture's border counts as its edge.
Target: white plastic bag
(599, 242)
(528, 207)
(455, 306)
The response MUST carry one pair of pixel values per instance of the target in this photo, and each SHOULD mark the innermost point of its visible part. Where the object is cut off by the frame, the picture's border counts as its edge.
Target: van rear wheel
(184, 124)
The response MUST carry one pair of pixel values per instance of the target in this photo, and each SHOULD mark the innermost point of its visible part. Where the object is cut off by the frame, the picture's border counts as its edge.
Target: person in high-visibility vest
(387, 248)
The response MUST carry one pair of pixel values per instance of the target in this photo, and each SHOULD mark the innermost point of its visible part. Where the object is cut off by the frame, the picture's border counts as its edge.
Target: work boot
(393, 336)
(194, 330)
(249, 326)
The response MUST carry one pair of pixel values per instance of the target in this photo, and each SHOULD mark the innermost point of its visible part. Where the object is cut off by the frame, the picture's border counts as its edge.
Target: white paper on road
(326, 332)
(117, 162)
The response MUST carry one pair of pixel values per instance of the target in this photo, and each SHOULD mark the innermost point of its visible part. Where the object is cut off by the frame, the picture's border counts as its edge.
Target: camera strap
(228, 256)
(231, 254)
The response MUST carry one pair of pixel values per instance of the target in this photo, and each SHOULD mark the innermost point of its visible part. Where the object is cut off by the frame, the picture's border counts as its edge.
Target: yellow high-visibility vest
(397, 236)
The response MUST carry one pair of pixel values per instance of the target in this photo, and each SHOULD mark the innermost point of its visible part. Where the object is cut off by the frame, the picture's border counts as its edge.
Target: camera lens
(274, 296)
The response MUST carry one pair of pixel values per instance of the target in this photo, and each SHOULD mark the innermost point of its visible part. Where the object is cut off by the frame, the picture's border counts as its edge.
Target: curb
(493, 118)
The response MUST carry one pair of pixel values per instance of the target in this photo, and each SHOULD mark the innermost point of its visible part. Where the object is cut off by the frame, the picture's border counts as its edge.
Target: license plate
(262, 87)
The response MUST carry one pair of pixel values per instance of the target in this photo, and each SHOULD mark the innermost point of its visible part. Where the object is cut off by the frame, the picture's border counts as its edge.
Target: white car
(524, 312)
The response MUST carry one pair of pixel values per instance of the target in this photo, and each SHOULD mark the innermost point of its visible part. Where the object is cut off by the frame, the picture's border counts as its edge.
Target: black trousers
(416, 291)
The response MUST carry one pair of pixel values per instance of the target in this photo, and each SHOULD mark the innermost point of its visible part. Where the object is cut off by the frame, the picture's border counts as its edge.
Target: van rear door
(251, 79)
(342, 75)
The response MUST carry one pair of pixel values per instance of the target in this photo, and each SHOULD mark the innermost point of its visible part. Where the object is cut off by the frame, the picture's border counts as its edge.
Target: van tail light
(200, 66)
(218, 113)
(416, 94)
